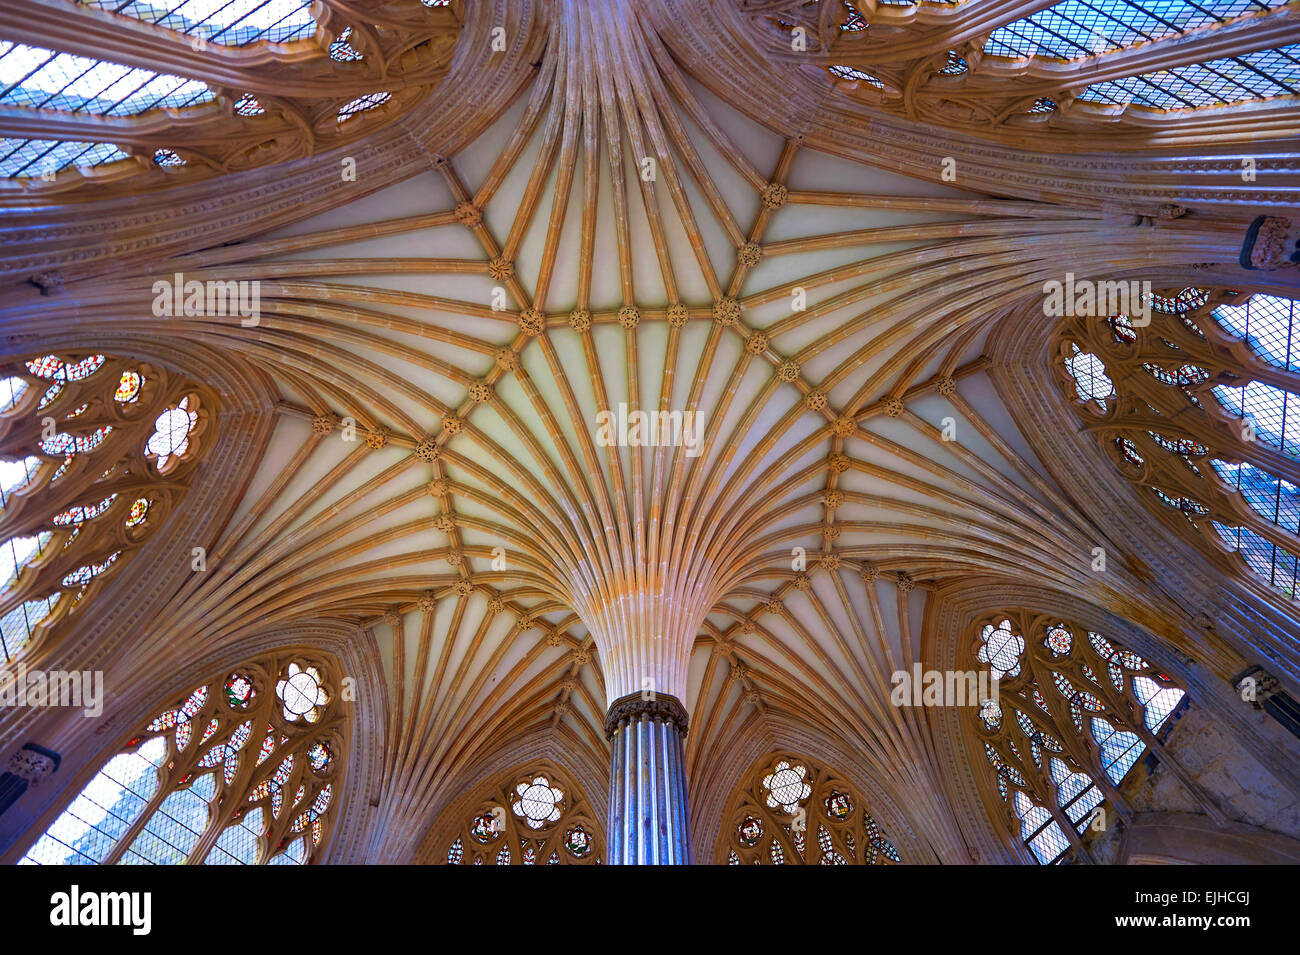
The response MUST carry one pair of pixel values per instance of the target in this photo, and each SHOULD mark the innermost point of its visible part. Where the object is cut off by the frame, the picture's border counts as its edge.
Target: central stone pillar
(649, 819)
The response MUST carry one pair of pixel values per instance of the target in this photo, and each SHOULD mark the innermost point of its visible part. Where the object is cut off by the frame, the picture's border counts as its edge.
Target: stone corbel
(1271, 243)
(28, 767)
(1254, 686)
(1263, 692)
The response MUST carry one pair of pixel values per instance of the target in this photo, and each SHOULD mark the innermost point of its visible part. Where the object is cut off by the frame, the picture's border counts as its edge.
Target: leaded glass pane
(1078, 28)
(225, 22)
(88, 829)
(37, 78)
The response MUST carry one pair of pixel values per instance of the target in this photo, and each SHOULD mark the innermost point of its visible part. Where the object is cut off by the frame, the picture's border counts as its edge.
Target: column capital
(625, 709)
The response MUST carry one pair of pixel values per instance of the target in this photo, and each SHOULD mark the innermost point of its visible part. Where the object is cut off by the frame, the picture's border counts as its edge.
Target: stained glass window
(171, 433)
(139, 511)
(852, 73)
(249, 105)
(1252, 76)
(69, 535)
(54, 368)
(88, 572)
(168, 798)
(1078, 28)
(1059, 640)
(1229, 418)
(1049, 796)
(361, 104)
(955, 66)
(128, 387)
(792, 811)
(168, 157)
(78, 514)
(537, 817)
(37, 78)
(63, 444)
(221, 21)
(342, 50)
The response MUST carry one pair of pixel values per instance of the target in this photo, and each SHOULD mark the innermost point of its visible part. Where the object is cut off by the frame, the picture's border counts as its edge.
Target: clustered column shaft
(649, 821)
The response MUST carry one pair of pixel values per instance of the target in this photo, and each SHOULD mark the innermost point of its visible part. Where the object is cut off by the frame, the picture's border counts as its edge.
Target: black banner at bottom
(137, 907)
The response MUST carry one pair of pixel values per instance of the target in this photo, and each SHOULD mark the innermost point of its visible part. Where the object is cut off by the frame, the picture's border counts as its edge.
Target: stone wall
(1241, 784)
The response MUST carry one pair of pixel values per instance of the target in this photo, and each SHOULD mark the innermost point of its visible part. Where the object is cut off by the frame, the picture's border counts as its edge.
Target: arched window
(535, 816)
(244, 770)
(1070, 31)
(1200, 414)
(223, 24)
(793, 811)
(207, 128)
(95, 451)
(1063, 36)
(1073, 714)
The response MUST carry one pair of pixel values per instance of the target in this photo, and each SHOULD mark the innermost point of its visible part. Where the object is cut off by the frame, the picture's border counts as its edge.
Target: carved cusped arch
(790, 810)
(241, 89)
(1057, 76)
(1072, 717)
(1194, 403)
(245, 769)
(535, 814)
(97, 450)
(1158, 576)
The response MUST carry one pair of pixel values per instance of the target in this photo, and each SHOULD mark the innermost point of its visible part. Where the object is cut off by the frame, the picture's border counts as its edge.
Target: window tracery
(362, 104)
(1259, 75)
(95, 451)
(1078, 28)
(537, 816)
(208, 129)
(1073, 715)
(37, 78)
(1002, 80)
(792, 811)
(237, 772)
(1202, 414)
(219, 21)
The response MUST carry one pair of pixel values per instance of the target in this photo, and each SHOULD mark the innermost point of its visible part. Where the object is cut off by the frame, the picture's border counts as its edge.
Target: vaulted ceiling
(634, 204)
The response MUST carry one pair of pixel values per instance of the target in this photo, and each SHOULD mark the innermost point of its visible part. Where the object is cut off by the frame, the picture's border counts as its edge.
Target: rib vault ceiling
(435, 355)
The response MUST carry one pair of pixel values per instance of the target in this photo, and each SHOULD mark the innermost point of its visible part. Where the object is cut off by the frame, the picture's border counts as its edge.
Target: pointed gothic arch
(245, 769)
(535, 814)
(790, 810)
(1200, 409)
(95, 452)
(1073, 716)
(414, 464)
